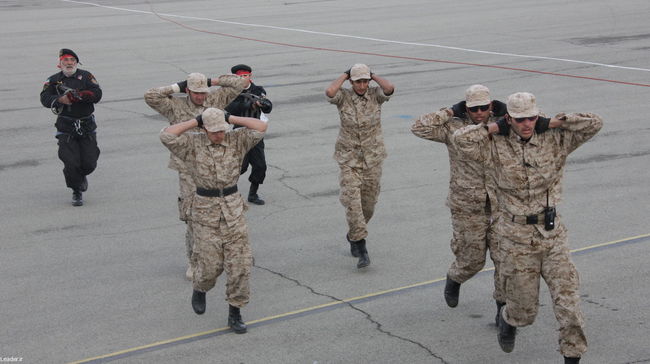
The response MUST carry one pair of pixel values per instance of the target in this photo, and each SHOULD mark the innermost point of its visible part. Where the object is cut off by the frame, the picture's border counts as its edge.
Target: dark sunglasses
(521, 120)
(479, 107)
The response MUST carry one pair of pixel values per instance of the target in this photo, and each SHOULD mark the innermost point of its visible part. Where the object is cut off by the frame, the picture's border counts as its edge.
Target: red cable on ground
(400, 57)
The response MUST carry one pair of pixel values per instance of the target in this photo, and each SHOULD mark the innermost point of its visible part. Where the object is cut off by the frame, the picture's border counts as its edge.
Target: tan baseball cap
(359, 72)
(522, 105)
(477, 95)
(197, 82)
(214, 120)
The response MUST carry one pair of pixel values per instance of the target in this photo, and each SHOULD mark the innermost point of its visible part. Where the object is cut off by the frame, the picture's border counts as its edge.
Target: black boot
(354, 248)
(571, 360)
(452, 290)
(76, 198)
(198, 302)
(506, 335)
(496, 318)
(252, 195)
(84, 185)
(364, 259)
(234, 320)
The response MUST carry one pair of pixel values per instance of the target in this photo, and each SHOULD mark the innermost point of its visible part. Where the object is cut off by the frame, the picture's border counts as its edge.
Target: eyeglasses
(521, 120)
(479, 107)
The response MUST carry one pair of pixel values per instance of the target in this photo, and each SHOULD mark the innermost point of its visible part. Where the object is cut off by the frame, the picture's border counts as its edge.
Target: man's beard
(68, 72)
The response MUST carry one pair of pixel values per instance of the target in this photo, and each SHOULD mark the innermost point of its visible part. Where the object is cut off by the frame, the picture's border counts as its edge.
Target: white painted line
(362, 38)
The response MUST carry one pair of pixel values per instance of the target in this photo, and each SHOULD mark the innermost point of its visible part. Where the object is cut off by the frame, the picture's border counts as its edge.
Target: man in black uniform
(71, 94)
(252, 102)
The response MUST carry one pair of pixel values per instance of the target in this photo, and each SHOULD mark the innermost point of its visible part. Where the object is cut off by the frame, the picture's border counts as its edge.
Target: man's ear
(508, 119)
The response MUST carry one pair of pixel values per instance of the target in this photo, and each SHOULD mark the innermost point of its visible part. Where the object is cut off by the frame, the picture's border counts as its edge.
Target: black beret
(240, 67)
(70, 52)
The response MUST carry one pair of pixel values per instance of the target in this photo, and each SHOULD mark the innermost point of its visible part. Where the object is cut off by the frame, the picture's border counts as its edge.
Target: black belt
(216, 193)
(82, 119)
(527, 219)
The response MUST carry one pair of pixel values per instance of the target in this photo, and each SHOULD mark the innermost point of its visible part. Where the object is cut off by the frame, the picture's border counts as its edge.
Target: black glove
(226, 116)
(348, 72)
(199, 120)
(209, 82)
(183, 85)
(499, 109)
(542, 124)
(504, 128)
(459, 109)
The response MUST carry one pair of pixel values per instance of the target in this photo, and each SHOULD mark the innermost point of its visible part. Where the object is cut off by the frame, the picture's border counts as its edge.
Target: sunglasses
(521, 120)
(479, 107)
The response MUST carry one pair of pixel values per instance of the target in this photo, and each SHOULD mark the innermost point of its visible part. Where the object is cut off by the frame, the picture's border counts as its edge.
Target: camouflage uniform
(359, 152)
(528, 174)
(468, 199)
(219, 226)
(178, 109)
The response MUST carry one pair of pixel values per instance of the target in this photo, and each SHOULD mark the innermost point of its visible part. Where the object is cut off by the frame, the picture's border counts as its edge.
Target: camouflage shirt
(467, 179)
(360, 143)
(526, 173)
(181, 108)
(213, 166)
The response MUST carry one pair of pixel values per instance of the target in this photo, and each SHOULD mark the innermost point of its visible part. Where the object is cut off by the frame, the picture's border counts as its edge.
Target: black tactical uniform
(244, 105)
(75, 124)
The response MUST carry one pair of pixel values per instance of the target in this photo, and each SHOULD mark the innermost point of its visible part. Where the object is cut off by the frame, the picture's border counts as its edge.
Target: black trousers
(255, 157)
(79, 155)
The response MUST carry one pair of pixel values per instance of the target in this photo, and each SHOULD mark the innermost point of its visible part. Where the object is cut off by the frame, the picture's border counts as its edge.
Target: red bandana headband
(242, 72)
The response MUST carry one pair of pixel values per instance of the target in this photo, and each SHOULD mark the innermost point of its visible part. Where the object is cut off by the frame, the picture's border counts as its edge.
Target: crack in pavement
(285, 176)
(378, 325)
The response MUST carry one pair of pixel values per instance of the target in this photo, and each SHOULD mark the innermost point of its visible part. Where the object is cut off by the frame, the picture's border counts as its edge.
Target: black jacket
(80, 80)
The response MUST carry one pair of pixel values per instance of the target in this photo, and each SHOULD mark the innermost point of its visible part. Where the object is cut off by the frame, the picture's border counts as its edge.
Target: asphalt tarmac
(105, 282)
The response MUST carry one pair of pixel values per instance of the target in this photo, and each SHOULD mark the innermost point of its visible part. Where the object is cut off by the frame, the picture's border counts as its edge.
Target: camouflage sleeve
(433, 126)
(160, 99)
(337, 99)
(380, 96)
(250, 138)
(472, 142)
(230, 87)
(180, 146)
(580, 127)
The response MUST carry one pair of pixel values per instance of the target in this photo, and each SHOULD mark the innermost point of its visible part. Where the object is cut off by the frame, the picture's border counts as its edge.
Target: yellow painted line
(610, 243)
(324, 305)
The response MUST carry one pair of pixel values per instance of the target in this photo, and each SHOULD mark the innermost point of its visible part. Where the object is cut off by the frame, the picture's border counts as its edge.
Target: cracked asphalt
(105, 282)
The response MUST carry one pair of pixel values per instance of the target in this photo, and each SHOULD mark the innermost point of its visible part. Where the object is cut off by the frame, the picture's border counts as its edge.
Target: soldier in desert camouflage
(213, 159)
(469, 197)
(526, 154)
(359, 150)
(177, 108)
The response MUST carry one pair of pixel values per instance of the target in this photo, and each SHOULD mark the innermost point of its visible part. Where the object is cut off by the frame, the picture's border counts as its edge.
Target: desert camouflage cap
(214, 120)
(359, 72)
(477, 95)
(197, 82)
(521, 105)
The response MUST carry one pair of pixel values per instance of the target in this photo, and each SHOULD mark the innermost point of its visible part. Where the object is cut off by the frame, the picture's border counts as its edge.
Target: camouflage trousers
(186, 191)
(472, 238)
(549, 258)
(359, 192)
(223, 248)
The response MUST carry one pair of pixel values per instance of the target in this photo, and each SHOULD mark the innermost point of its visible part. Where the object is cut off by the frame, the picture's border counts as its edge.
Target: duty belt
(216, 193)
(76, 122)
(526, 219)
